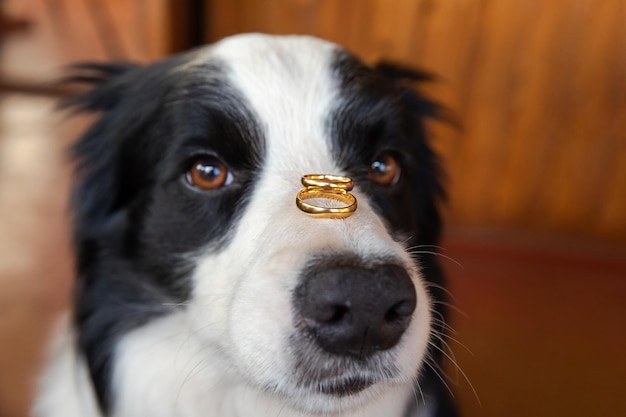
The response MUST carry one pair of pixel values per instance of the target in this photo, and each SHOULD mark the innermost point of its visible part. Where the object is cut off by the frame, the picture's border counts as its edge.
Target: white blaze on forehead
(288, 83)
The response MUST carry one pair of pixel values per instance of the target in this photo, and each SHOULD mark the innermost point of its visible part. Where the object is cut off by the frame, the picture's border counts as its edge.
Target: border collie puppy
(203, 289)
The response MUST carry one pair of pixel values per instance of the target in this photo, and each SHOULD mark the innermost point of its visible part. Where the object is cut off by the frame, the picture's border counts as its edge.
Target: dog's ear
(105, 82)
(406, 78)
(99, 191)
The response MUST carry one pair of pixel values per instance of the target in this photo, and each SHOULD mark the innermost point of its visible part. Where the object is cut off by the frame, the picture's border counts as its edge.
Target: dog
(203, 289)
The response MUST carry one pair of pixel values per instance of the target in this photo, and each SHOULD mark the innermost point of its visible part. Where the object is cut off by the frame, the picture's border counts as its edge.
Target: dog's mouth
(345, 387)
(338, 376)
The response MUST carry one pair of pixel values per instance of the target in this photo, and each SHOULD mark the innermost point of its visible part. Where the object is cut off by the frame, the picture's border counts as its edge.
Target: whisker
(444, 325)
(459, 369)
(447, 336)
(426, 246)
(415, 387)
(429, 364)
(448, 378)
(441, 337)
(414, 252)
(441, 321)
(442, 288)
(452, 307)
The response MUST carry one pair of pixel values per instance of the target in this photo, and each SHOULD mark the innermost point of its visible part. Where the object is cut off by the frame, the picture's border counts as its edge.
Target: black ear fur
(403, 76)
(99, 191)
(406, 77)
(396, 71)
(102, 78)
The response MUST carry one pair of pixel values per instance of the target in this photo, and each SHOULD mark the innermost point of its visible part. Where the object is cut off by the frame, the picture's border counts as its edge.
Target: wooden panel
(63, 32)
(539, 88)
(527, 351)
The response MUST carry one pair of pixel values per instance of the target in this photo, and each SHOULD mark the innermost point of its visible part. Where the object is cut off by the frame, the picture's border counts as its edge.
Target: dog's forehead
(298, 61)
(277, 72)
(290, 85)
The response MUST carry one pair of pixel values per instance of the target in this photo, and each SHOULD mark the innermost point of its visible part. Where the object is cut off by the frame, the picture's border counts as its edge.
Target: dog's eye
(208, 173)
(385, 170)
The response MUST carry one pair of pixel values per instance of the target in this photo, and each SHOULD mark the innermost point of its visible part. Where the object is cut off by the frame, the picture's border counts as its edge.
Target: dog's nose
(356, 311)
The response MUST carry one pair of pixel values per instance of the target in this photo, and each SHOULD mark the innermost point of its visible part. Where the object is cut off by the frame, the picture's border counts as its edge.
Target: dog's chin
(337, 391)
(317, 382)
(333, 396)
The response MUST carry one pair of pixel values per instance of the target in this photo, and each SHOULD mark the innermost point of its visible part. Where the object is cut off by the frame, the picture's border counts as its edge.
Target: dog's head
(185, 205)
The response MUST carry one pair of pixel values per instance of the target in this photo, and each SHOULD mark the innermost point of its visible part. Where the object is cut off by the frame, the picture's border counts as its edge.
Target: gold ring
(327, 193)
(327, 181)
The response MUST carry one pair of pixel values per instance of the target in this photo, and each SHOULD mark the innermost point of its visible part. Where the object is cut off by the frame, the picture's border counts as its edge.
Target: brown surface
(539, 88)
(35, 265)
(546, 327)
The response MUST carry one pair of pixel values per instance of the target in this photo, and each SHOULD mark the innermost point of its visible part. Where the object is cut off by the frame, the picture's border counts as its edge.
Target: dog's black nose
(356, 311)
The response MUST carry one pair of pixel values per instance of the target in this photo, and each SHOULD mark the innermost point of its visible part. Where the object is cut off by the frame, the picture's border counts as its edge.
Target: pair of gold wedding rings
(329, 187)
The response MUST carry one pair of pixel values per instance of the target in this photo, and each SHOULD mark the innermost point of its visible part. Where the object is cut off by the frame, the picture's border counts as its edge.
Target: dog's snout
(356, 311)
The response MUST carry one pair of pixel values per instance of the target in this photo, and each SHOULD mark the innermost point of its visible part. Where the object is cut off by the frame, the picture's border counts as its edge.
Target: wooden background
(538, 86)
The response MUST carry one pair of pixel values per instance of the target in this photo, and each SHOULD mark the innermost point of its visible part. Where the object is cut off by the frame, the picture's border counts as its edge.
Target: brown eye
(385, 170)
(208, 173)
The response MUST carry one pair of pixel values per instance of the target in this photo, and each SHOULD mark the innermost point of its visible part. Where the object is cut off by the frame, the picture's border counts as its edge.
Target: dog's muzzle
(355, 311)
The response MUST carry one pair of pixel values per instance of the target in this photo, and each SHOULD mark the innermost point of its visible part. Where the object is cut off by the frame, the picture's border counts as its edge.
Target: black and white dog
(203, 290)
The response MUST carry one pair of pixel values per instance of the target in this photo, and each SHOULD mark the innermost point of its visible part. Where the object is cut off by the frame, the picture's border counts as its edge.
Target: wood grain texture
(539, 88)
(63, 32)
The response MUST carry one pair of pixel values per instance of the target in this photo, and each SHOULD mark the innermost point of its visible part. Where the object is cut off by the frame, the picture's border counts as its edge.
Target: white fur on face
(228, 352)
(245, 291)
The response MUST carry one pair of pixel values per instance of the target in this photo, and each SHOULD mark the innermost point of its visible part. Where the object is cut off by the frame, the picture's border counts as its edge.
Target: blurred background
(535, 242)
